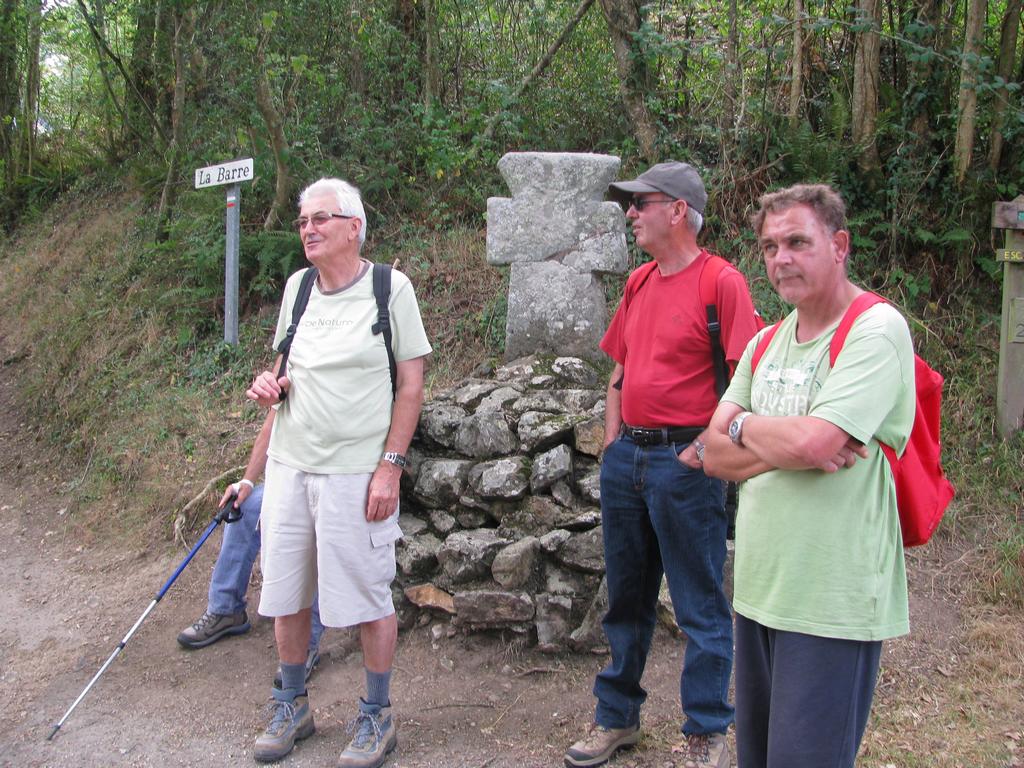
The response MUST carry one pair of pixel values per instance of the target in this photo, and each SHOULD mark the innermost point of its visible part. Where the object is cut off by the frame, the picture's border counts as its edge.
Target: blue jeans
(661, 517)
(233, 568)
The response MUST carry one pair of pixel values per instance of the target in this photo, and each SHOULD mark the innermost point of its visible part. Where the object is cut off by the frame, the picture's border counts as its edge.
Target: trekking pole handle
(229, 513)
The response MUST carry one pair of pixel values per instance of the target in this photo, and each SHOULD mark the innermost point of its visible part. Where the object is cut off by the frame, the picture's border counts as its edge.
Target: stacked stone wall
(500, 505)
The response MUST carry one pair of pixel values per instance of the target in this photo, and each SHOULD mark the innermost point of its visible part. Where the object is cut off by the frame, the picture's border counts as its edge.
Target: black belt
(660, 435)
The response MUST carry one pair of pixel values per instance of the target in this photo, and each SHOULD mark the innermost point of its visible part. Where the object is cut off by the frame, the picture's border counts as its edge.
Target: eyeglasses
(318, 219)
(640, 203)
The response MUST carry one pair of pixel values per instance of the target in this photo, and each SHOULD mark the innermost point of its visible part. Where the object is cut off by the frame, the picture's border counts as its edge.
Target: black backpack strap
(301, 300)
(707, 289)
(382, 293)
(717, 352)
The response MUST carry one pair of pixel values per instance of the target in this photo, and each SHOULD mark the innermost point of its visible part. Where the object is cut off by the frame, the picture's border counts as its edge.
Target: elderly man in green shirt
(330, 505)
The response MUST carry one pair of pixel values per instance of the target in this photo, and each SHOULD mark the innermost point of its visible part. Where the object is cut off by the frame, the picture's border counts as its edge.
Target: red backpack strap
(762, 345)
(861, 304)
(709, 272)
(638, 278)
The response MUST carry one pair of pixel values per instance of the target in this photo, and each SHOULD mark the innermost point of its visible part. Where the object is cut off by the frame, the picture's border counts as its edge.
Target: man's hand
(688, 457)
(846, 456)
(241, 492)
(266, 389)
(382, 499)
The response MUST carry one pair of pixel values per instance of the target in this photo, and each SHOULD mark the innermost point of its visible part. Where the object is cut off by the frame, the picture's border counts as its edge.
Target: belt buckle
(647, 437)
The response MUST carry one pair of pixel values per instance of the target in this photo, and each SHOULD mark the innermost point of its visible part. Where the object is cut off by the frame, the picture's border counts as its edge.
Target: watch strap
(393, 457)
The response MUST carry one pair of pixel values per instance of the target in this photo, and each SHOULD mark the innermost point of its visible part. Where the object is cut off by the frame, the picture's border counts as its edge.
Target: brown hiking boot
(290, 721)
(704, 750)
(599, 745)
(211, 627)
(374, 737)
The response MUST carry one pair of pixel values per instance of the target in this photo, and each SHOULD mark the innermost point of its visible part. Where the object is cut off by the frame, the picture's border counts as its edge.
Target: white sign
(226, 173)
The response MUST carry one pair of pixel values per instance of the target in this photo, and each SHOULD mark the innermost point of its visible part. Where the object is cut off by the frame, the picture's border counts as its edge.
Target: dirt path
(473, 702)
(460, 701)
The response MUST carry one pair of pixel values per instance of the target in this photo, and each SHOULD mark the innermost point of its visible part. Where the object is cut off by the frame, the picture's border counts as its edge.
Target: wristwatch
(736, 427)
(392, 457)
(698, 446)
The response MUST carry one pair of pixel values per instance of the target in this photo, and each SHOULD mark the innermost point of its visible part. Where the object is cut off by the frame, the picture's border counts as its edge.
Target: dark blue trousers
(801, 701)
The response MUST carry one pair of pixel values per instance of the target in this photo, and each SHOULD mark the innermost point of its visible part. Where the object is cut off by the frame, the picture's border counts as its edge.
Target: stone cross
(559, 235)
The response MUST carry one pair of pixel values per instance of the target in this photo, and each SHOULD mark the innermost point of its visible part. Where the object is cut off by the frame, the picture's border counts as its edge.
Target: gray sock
(378, 688)
(293, 677)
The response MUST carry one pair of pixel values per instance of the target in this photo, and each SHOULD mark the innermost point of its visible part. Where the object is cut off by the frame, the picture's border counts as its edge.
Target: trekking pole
(226, 514)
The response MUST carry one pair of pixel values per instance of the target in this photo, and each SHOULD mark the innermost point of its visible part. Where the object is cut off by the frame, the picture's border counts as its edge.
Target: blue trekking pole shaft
(120, 646)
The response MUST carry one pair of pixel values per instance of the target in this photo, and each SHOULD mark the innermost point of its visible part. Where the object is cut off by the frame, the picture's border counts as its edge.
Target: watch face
(734, 429)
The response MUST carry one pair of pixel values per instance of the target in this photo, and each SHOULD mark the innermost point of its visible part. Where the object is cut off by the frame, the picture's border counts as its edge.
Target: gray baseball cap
(677, 180)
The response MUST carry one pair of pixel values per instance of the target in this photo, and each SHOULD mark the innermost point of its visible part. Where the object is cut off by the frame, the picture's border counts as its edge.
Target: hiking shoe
(704, 750)
(375, 736)
(312, 662)
(289, 722)
(211, 627)
(599, 745)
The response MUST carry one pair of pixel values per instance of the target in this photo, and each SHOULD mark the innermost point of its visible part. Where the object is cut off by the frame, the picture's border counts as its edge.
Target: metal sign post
(233, 174)
(232, 200)
(1010, 387)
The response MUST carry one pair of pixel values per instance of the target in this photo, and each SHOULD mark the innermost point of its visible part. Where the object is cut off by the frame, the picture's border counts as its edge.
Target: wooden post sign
(232, 174)
(1010, 388)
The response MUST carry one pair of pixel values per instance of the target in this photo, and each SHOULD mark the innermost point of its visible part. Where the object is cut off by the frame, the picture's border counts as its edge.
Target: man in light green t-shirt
(819, 573)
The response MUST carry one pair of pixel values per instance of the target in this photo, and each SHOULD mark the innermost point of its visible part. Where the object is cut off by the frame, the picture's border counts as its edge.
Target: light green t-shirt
(338, 411)
(821, 553)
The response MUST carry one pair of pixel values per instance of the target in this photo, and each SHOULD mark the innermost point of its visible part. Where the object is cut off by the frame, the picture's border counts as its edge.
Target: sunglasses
(640, 203)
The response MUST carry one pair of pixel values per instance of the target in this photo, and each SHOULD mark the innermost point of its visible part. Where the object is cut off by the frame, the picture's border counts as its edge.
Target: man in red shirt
(660, 513)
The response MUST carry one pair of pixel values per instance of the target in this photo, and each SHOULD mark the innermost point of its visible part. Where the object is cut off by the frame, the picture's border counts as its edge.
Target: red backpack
(922, 490)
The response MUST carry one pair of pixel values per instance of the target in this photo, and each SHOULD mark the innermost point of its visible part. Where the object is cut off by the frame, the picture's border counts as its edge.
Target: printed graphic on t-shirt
(786, 391)
(323, 322)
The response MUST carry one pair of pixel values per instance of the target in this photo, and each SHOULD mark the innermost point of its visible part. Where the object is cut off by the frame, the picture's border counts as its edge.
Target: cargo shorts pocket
(385, 532)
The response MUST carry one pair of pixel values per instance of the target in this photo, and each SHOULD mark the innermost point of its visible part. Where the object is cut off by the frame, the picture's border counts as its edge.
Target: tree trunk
(169, 195)
(140, 68)
(732, 73)
(430, 76)
(10, 89)
(624, 19)
(1007, 61)
(30, 114)
(796, 84)
(356, 66)
(968, 106)
(275, 127)
(163, 63)
(919, 102)
(866, 63)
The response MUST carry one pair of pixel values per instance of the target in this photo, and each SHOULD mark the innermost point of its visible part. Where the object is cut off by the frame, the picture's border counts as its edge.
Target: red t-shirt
(661, 338)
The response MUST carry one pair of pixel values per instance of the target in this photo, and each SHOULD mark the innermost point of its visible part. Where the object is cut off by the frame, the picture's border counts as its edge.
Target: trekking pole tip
(53, 732)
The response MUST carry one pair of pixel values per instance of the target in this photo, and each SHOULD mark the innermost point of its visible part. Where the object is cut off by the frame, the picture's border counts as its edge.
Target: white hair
(349, 201)
(694, 220)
